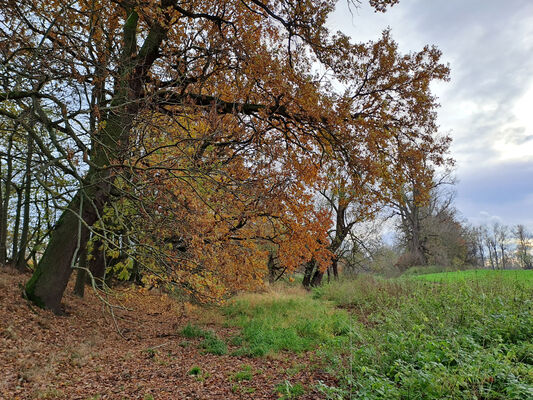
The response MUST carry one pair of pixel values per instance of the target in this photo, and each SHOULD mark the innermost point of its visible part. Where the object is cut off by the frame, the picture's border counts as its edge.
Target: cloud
(487, 106)
(502, 192)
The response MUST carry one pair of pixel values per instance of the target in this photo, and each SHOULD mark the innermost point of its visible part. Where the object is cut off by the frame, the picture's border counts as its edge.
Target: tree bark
(97, 264)
(4, 202)
(308, 273)
(335, 268)
(81, 277)
(21, 259)
(46, 286)
(317, 278)
(2, 239)
(18, 212)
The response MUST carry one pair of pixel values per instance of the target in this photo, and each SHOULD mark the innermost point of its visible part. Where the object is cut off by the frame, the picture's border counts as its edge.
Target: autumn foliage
(208, 128)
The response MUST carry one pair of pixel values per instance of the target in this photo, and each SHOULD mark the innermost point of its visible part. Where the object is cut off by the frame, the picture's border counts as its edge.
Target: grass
(459, 339)
(245, 374)
(517, 277)
(276, 322)
(467, 336)
(211, 344)
(287, 390)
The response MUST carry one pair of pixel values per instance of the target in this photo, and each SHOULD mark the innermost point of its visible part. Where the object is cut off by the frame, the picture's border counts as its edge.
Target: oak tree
(212, 114)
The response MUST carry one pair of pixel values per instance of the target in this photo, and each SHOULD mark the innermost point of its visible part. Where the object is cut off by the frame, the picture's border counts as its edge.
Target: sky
(487, 107)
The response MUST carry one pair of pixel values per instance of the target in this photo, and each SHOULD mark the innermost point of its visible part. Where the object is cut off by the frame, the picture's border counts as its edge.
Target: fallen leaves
(82, 356)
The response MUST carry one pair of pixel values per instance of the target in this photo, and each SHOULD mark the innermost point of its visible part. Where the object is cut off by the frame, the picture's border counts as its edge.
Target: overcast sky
(487, 107)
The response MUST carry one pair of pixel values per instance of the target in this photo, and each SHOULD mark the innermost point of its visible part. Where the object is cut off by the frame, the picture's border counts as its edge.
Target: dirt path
(82, 356)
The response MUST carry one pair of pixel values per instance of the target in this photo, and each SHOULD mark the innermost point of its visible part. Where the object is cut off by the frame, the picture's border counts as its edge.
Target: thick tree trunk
(308, 273)
(317, 278)
(46, 286)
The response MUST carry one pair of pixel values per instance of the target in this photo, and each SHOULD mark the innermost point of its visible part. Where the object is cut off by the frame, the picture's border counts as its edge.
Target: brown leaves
(81, 355)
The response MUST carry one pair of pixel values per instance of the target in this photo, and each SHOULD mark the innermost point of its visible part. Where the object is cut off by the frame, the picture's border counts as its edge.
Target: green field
(469, 336)
(517, 277)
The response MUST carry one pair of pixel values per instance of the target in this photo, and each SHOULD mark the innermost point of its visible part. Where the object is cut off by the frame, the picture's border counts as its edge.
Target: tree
(426, 214)
(523, 247)
(101, 73)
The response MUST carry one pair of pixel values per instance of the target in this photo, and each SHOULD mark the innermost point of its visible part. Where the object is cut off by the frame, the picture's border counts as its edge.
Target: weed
(195, 371)
(289, 391)
(192, 331)
(213, 345)
(150, 353)
(236, 388)
(459, 339)
(330, 392)
(245, 374)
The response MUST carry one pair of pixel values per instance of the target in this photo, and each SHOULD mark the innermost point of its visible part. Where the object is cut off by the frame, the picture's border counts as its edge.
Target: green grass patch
(211, 344)
(287, 390)
(295, 322)
(522, 278)
(245, 374)
(192, 332)
(195, 371)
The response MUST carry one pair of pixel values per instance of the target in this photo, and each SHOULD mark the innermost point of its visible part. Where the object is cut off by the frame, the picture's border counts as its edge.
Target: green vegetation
(214, 345)
(192, 332)
(245, 374)
(518, 277)
(195, 371)
(293, 322)
(289, 391)
(406, 338)
(211, 343)
(460, 339)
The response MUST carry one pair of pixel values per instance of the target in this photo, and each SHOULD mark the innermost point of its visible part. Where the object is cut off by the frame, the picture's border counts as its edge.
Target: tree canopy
(204, 130)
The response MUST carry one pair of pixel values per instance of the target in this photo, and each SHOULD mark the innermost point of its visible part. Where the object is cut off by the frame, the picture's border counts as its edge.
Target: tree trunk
(21, 259)
(271, 268)
(46, 286)
(317, 278)
(50, 278)
(81, 277)
(308, 273)
(4, 202)
(15, 251)
(97, 264)
(2, 238)
(335, 268)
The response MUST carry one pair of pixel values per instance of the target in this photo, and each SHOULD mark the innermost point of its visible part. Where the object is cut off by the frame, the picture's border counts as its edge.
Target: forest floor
(81, 355)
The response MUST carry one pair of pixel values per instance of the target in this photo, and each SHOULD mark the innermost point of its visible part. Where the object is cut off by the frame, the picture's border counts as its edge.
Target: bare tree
(523, 246)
